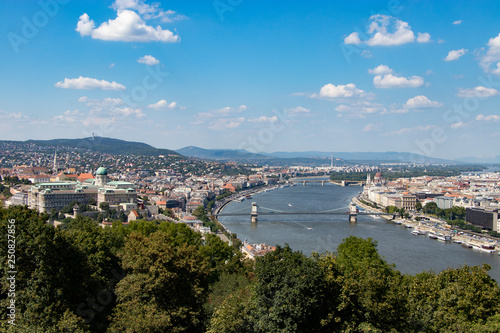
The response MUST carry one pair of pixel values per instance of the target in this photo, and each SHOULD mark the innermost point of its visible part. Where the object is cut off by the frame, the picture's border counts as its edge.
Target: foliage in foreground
(163, 277)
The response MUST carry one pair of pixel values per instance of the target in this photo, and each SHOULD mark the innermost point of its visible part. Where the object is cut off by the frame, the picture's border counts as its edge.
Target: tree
(288, 293)
(369, 295)
(233, 315)
(453, 300)
(104, 206)
(418, 206)
(52, 278)
(164, 289)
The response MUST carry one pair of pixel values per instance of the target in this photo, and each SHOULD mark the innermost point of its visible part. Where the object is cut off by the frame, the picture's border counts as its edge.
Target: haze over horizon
(419, 77)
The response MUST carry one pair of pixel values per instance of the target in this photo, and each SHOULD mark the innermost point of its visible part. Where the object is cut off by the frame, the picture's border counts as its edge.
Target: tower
(353, 214)
(76, 211)
(101, 176)
(332, 161)
(54, 167)
(368, 179)
(254, 214)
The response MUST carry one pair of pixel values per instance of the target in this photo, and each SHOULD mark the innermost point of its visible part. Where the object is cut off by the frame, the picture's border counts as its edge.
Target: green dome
(101, 172)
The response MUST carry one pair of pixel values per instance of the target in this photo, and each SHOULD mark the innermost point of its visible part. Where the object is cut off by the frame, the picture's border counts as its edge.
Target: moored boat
(489, 248)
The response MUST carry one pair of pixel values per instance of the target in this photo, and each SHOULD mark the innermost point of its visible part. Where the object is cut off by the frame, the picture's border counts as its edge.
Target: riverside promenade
(462, 236)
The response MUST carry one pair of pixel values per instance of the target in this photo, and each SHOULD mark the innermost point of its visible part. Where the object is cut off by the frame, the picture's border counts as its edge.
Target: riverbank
(219, 206)
(457, 236)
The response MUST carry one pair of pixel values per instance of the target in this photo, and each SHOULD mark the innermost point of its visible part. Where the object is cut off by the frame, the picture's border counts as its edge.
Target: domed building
(47, 196)
(378, 179)
(101, 176)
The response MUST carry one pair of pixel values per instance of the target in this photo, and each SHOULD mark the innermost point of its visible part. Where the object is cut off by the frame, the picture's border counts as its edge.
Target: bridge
(341, 183)
(353, 213)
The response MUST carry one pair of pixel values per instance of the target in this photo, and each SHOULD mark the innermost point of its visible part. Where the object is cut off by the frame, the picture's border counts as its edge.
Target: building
(483, 218)
(408, 201)
(19, 199)
(46, 197)
(444, 202)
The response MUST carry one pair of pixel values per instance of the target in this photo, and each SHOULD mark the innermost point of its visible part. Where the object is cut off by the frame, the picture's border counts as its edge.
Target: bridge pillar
(322, 183)
(353, 214)
(304, 183)
(254, 214)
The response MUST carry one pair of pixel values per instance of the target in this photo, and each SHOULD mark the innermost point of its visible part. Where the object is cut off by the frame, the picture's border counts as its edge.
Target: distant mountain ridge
(220, 154)
(480, 159)
(240, 154)
(105, 145)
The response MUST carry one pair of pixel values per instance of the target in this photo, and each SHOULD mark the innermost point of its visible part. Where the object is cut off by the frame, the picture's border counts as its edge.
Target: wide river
(307, 233)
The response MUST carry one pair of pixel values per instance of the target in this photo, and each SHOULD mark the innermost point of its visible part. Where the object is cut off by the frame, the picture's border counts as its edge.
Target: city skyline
(326, 76)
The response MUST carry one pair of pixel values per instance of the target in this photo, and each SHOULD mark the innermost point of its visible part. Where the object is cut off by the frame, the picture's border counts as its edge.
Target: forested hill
(164, 277)
(107, 145)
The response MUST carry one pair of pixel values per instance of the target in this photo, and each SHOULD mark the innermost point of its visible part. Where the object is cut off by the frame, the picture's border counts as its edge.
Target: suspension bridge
(352, 213)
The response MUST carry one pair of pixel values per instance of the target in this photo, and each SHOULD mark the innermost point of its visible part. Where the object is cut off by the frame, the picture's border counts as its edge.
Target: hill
(107, 146)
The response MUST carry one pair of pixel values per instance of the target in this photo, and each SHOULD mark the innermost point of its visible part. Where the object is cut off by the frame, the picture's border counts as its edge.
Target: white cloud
(341, 91)
(13, 115)
(147, 11)
(163, 105)
(112, 65)
(478, 91)
(225, 123)
(148, 60)
(85, 25)
(457, 22)
(72, 113)
(127, 27)
(380, 70)
(366, 54)
(458, 125)
(496, 70)
(372, 128)
(455, 54)
(263, 119)
(395, 111)
(99, 104)
(421, 102)
(64, 119)
(423, 37)
(353, 38)
(297, 110)
(488, 118)
(386, 30)
(218, 118)
(392, 81)
(129, 112)
(492, 55)
(360, 109)
(89, 83)
(409, 130)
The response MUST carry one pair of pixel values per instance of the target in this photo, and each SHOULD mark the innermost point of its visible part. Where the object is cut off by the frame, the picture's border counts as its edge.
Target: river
(307, 233)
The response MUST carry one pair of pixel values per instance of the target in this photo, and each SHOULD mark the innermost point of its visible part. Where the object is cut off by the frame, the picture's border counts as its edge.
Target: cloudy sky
(414, 76)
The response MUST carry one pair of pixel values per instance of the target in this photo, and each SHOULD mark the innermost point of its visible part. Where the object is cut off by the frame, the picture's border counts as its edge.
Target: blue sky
(413, 76)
